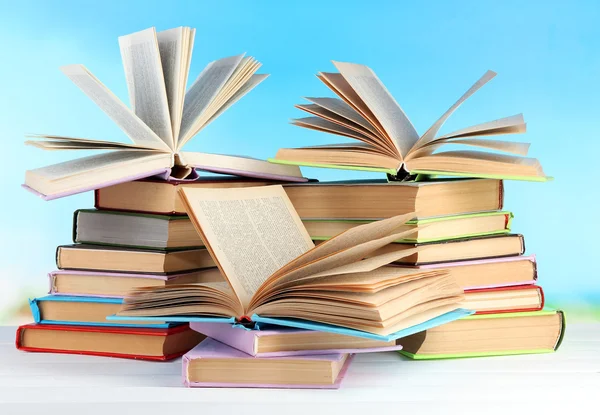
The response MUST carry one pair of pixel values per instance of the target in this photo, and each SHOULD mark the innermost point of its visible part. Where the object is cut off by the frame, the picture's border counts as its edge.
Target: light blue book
(84, 311)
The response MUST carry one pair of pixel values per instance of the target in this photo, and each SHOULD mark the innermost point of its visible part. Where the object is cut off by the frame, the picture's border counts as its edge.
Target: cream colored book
(387, 141)
(274, 273)
(162, 119)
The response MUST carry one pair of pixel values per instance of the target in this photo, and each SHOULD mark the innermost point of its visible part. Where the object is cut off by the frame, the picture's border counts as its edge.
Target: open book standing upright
(389, 143)
(162, 120)
(274, 273)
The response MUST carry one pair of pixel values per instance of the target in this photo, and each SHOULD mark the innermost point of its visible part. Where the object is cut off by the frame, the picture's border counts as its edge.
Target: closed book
(214, 364)
(131, 260)
(129, 343)
(274, 341)
(85, 311)
(117, 285)
(134, 230)
(504, 299)
(489, 335)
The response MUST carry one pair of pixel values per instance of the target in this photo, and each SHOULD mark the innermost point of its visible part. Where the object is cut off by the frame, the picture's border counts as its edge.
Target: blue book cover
(84, 311)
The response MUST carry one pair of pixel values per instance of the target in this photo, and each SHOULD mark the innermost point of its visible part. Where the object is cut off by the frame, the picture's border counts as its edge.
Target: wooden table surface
(566, 382)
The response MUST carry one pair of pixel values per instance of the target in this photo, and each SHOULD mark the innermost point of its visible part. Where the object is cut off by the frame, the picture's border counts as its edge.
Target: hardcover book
(214, 364)
(275, 274)
(128, 343)
(504, 299)
(163, 118)
(389, 143)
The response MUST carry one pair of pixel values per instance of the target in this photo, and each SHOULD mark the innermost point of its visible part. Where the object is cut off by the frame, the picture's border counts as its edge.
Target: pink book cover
(210, 348)
(52, 276)
(486, 261)
(245, 340)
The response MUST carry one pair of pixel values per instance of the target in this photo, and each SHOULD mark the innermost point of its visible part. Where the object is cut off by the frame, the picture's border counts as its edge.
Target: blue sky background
(547, 55)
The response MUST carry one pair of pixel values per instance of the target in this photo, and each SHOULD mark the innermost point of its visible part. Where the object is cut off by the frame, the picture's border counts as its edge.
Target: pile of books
(264, 278)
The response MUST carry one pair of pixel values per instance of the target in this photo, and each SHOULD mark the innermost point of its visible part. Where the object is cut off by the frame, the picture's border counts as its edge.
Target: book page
(251, 232)
(131, 124)
(321, 124)
(77, 140)
(514, 124)
(342, 109)
(175, 55)
(203, 91)
(512, 147)
(383, 105)
(146, 83)
(433, 130)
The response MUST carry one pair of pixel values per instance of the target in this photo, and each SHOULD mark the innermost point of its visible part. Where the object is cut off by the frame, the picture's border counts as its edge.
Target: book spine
(74, 231)
(35, 310)
(501, 194)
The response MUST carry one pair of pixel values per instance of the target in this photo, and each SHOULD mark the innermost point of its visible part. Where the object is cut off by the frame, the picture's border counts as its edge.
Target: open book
(389, 143)
(163, 118)
(274, 273)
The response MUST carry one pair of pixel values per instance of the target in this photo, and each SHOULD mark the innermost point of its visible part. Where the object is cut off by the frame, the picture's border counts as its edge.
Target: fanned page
(146, 82)
(250, 232)
(132, 125)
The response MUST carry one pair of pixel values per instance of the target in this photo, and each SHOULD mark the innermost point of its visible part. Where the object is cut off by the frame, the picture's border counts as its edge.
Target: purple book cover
(210, 348)
(246, 340)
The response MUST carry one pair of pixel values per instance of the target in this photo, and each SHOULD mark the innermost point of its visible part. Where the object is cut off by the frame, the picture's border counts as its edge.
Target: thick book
(117, 284)
(489, 335)
(82, 311)
(214, 364)
(85, 257)
(389, 143)
(274, 273)
(496, 246)
(275, 341)
(134, 230)
(121, 342)
(160, 197)
(162, 119)
(504, 299)
(431, 229)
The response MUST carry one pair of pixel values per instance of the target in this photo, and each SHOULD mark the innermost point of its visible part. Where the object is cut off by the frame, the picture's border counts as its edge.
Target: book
(489, 273)
(496, 246)
(432, 229)
(160, 196)
(162, 119)
(82, 311)
(131, 260)
(489, 335)
(504, 299)
(274, 341)
(274, 274)
(345, 200)
(375, 199)
(389, 143)
(117, 285)
(122, 342)
(134, 230)
(214, 364)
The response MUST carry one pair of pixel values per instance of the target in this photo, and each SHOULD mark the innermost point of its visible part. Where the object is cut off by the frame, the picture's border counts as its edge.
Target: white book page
(381, 103)
(433, 130)
(203, 91)
(342, 109)
(251, 232)
(146, 83)
(108, 102)
(514, 124)
(175, 56)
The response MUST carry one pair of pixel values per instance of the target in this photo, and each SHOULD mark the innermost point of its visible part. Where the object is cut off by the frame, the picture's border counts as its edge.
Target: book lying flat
(496, 246)
(117, 285)
(490, 273)
(214, 364)
(160, 197)
(163, 118)
(389, 143)
(82, 311)
(131, 260)
(432, 229)
(134, 230)
(128, 343)
(275, 274)
(489, 335)
(504, 299)
(276, 341)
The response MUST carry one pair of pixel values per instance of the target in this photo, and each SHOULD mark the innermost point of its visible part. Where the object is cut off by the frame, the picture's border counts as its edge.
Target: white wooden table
(566, 382)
